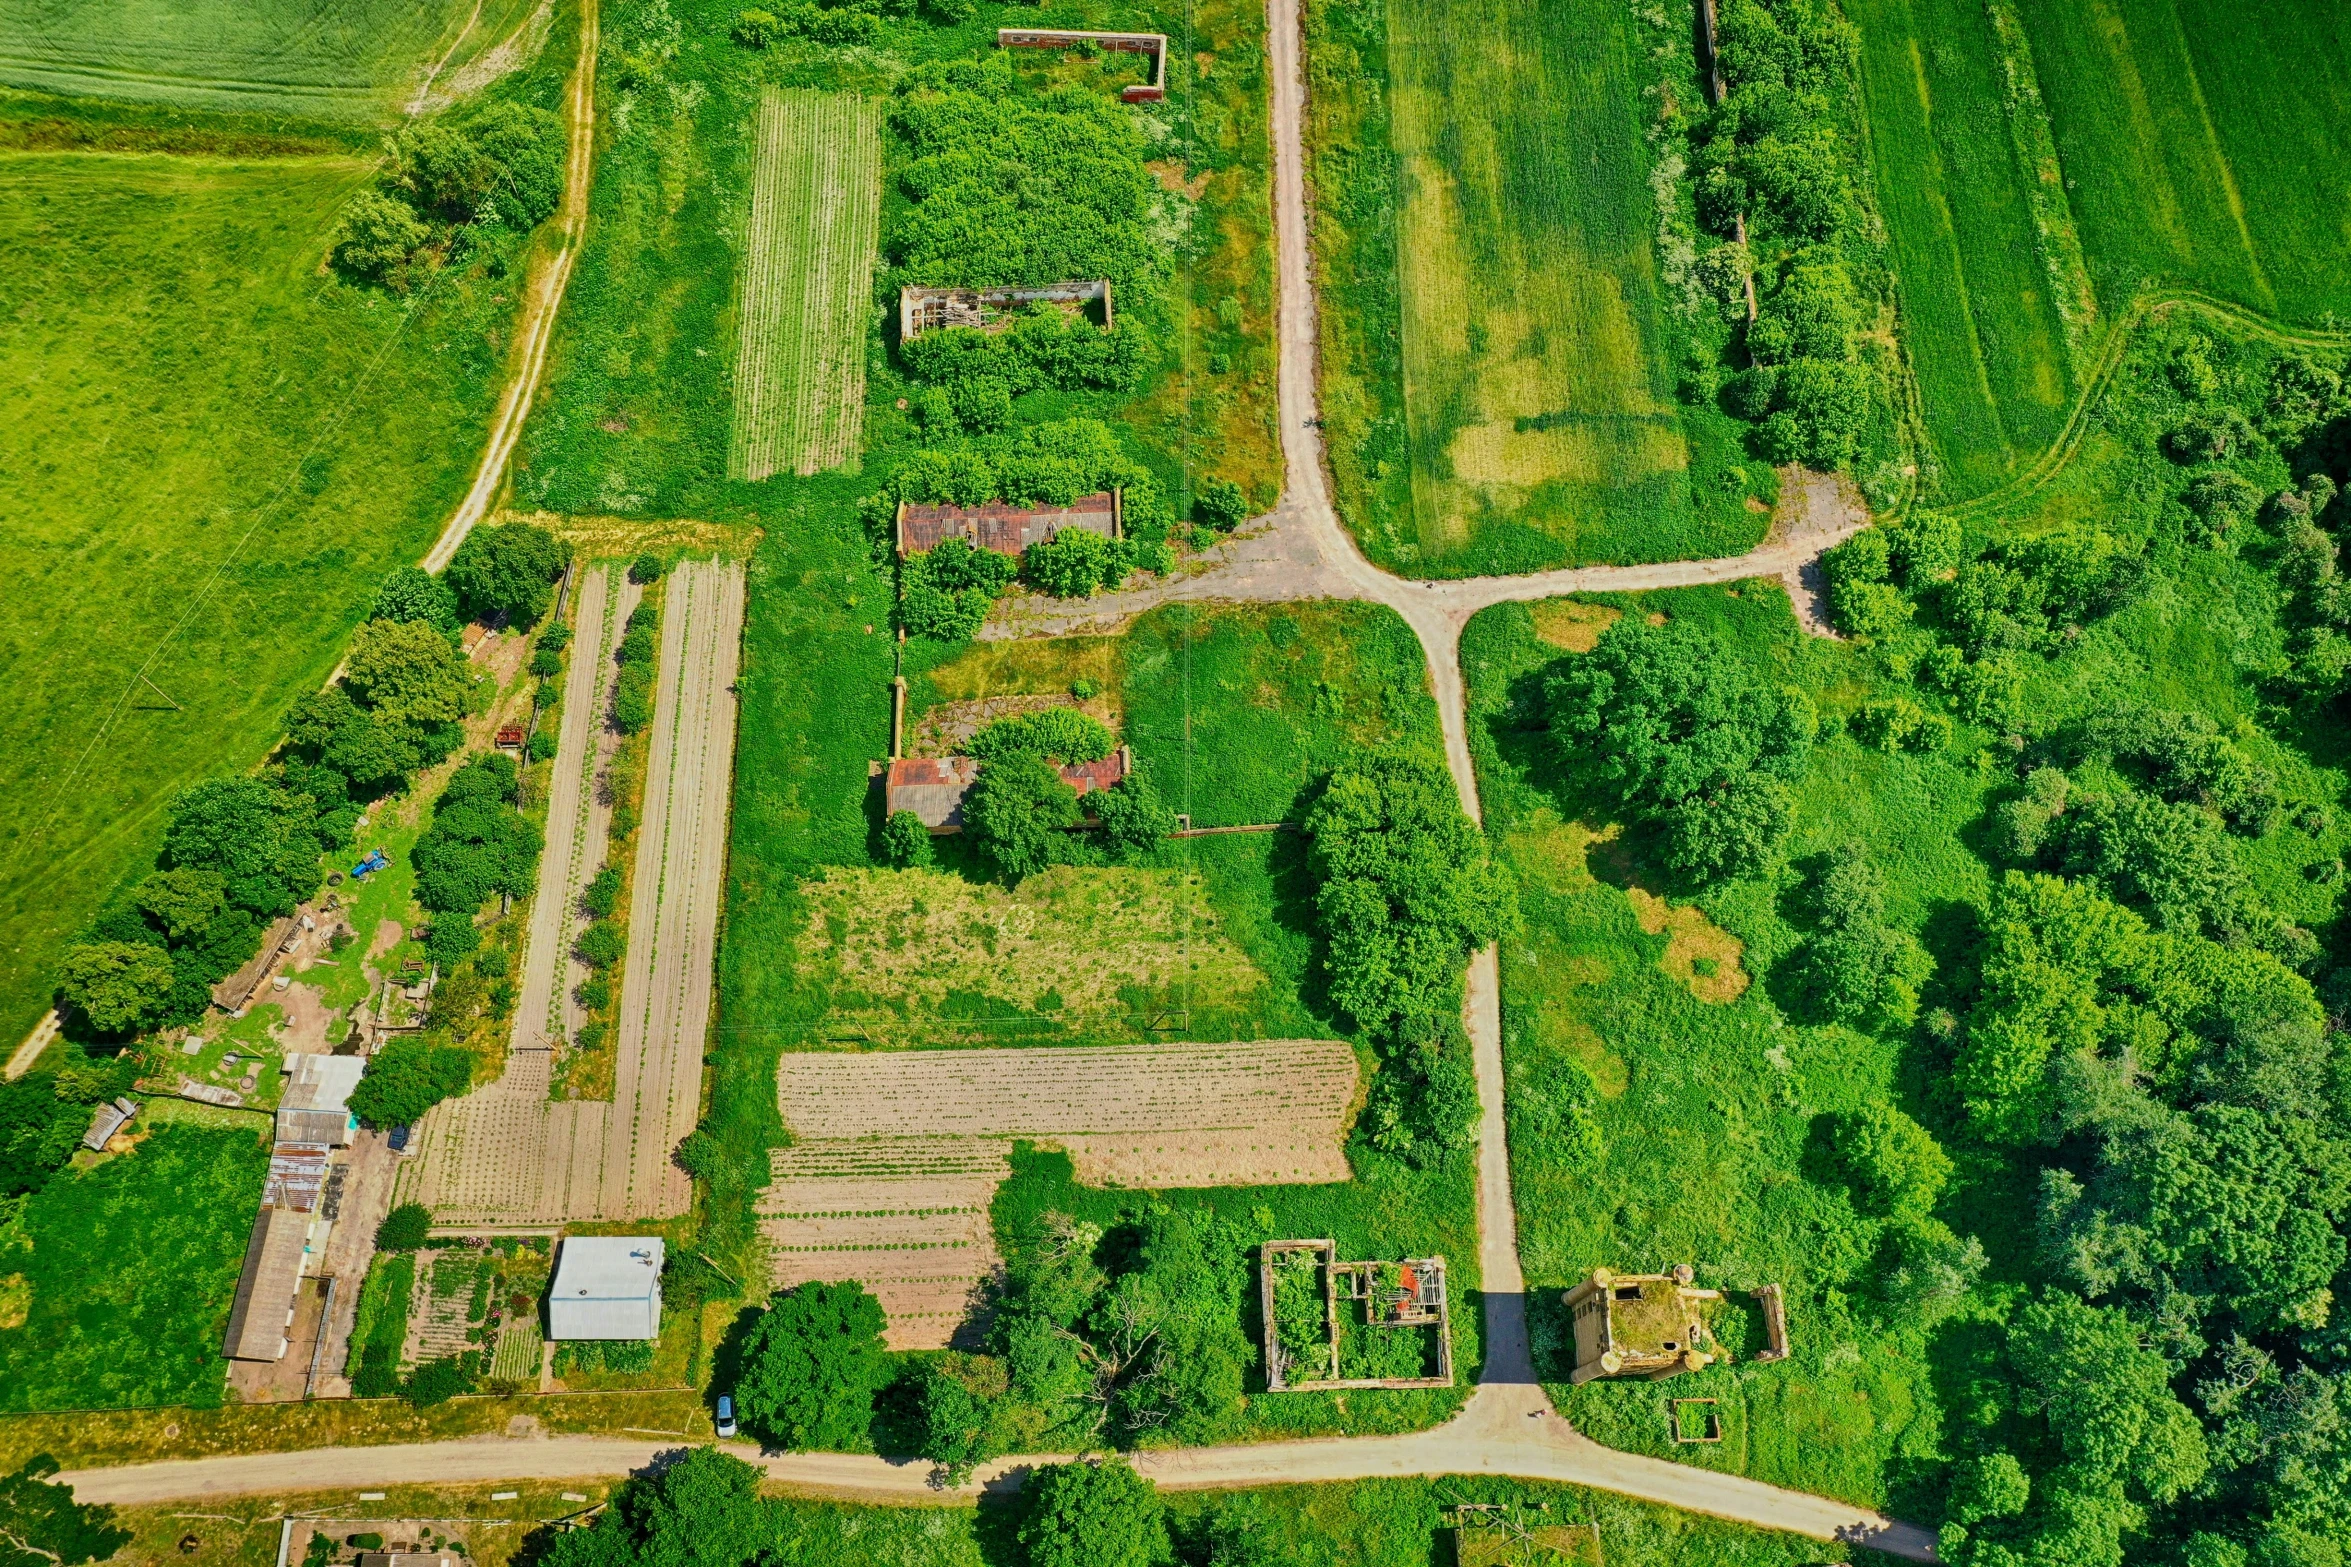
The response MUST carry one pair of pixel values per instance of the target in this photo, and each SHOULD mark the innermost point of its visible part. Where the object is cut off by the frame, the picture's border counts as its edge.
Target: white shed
(606, 1286)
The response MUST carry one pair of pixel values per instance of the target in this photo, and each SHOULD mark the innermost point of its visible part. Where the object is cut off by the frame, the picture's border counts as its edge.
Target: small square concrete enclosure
(606, 1287)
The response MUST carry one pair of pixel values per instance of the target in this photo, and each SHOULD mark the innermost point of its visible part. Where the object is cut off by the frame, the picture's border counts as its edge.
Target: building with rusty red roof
(1004, 528)
(933, 787)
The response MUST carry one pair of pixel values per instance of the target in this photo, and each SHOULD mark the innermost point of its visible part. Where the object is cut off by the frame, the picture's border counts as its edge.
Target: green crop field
(807, 284)
(323, 59)
(1981, 321)
(214, 454)
(1535, 376)
(2206, 144)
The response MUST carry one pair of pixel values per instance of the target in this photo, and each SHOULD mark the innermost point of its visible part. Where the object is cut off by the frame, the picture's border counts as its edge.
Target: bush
(1896, 723)
(542, 745)
(1066, 734)
(377, 237)
(646, 568)
(946, 593)
(1858, 970)
(601, 946)
(602, 894)
(906, 842)
(438, 1381)
(1072, 564)
(1220, 504)
(405, 1228)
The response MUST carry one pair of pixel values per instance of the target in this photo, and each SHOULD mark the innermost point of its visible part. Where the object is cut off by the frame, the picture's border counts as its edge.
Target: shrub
(542, 745)
(377, 237)
(946, 593)
(1220, 504)
(755, 29)
(1858, 970)
(405, 1228)
(906, 842)
(601, 946)
(1896, 1167)
(646, 568)
(602, 894)
(438, 1381)
(2218, 501)
(1896, 723)
(1066, 734)
(1071, 564)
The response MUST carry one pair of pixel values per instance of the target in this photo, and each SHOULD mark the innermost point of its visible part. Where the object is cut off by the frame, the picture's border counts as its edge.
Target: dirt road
(534, 328)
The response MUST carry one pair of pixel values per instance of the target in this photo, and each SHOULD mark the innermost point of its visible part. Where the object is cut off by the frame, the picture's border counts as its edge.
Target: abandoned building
(279, 1252)
(1006, 529)
(1406, 1294)
(316, 1105)
(109, 1119)
(923, 310)
(1641, 1325)
(933, 787)
(1152, 44)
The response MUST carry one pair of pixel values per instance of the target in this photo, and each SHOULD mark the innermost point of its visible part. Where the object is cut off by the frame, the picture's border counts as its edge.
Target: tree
(411, 593)
(408, 1077)
(41, 1525)
(1017, 813)
(525, 148)
(958, 1395)
(1896, 1166)
(1990, 1485)
(119, 986)
(260, 840)
(508, 571)
(183, 900)
(406, 672)
(906, 842)
(405, 1228)
(1858, 969)
(478, 845)
(702, 1511)
(600, 946)
(946, 594)
(811, 1366)
(1684, 733)
(646, 568)
(1134, 818)
(38, 1132)
(2106, 1397)
(1094, 1514)
(377, 236)
(1407, 890)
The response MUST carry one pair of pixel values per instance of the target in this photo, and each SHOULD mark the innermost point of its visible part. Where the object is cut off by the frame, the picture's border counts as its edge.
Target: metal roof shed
(264, 1306)
(607, 1287)
(316, 1106)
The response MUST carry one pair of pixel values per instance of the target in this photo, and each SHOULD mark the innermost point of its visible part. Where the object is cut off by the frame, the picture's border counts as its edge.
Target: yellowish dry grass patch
(603, 537)
(1571, 625)
(917, 954)
(1699, 954)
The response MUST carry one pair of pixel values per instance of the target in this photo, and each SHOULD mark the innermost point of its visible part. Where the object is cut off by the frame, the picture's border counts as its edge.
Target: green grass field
(320, 59)
(132, 1266)
(217, 453)
(2205, 145)
(1532, 370)
(1985, 336)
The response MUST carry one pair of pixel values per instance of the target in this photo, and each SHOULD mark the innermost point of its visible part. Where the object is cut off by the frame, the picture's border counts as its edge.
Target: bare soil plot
(899, 1154)
(816, 199)
(922, 956)
(504, 1154)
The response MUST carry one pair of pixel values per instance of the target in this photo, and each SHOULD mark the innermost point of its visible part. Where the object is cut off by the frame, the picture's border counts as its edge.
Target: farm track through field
(534, 326)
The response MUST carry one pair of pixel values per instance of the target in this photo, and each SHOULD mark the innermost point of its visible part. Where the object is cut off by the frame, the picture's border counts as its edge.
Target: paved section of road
(506, 1155)
(534, 328)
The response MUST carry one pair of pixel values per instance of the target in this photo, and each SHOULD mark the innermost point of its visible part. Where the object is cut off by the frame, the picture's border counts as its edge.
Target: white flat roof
(606, 1286)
